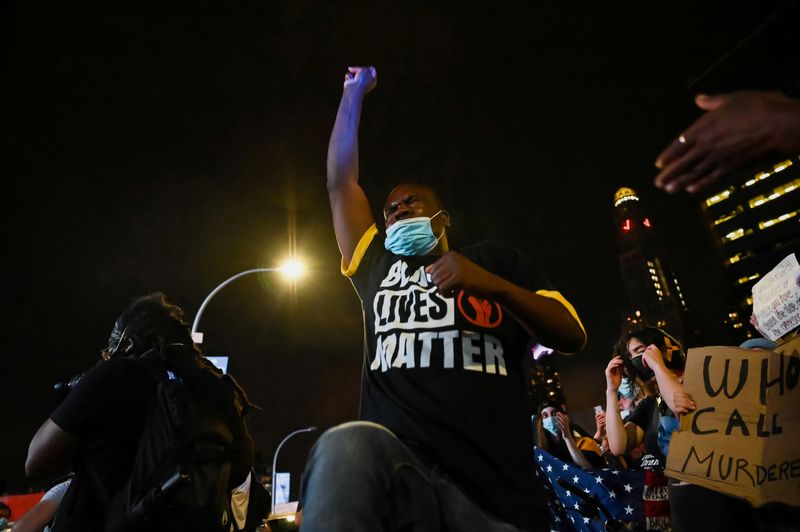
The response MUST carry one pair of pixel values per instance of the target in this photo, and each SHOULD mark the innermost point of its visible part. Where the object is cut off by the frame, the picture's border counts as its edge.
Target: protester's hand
(683, 403)
(600, 421)
(614, 374)
(453, 272)
(738, 128)
(360, 79)
(600, 424)
(562, 421)
(652, 357)
(754, 323)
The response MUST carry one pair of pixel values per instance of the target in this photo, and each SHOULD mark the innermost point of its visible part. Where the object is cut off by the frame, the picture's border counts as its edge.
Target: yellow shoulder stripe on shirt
(552, 294)
(358, 254)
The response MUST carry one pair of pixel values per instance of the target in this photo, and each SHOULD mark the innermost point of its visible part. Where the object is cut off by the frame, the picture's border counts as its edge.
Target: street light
(274, 465)
(292, 269)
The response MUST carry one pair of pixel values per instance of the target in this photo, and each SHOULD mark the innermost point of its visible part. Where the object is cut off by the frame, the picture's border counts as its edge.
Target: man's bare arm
(351, 212)
(50, 452)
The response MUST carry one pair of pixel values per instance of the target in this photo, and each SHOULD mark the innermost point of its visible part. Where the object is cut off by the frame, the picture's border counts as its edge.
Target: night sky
(169, 149)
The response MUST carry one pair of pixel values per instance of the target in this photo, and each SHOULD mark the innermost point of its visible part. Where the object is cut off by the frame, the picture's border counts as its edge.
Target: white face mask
(624, 413)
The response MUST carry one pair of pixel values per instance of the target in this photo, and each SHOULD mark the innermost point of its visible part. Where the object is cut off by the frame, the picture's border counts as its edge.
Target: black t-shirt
(649, 455)
(106, 410)
(444, 374)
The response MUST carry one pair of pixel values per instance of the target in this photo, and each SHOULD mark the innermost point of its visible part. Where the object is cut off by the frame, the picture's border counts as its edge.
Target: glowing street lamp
(291, 269)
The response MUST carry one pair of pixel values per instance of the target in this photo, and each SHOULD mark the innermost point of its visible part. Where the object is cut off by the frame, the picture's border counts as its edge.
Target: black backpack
(194, 449)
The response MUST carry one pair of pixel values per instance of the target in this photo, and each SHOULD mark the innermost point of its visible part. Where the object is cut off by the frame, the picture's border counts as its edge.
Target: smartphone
(598, 409)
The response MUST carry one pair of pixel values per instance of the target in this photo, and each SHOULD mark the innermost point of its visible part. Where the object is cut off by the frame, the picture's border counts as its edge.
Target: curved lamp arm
(275, 461)
(223, 284)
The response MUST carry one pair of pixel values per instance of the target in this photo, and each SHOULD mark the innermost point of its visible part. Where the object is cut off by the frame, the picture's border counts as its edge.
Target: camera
(63, 388)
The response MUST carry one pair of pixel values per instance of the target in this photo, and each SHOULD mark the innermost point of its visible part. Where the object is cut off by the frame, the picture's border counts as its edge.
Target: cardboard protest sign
(776, 299)
(744, 437)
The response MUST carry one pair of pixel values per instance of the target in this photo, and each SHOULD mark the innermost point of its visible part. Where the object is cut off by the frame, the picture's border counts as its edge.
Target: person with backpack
(155, 435)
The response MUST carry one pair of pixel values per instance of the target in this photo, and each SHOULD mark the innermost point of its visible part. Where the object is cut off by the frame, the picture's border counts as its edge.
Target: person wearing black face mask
(656, 359)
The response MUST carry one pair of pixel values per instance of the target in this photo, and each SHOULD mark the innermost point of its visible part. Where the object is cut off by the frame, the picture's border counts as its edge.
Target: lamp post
(275, 462)
(291, 269)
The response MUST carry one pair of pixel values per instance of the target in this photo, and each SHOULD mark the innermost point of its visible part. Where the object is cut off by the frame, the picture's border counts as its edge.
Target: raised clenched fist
(360, 79)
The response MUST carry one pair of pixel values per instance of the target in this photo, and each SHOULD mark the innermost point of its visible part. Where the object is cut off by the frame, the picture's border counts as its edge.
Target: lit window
(725, 217)
(713, 200)
(782, 218)
(747, 279)
(763, 175)
(782, 166)
(749, 300)
(758, 177)
(776, 193)
(739, 257)
(735, 235)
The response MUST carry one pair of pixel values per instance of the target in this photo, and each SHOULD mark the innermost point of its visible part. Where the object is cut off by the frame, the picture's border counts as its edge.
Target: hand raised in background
(738, 128)
(614, 373)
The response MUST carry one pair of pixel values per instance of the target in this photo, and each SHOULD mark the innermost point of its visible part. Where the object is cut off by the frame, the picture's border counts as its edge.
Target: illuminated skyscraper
(754, 221)
(653, 291)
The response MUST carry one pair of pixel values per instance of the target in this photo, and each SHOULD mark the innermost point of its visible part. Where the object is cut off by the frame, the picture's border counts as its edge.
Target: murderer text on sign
(743, 438)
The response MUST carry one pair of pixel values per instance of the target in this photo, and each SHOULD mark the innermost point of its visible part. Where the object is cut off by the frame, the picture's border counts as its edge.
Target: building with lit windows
(543, 382)
(653, 290)
(755, 223)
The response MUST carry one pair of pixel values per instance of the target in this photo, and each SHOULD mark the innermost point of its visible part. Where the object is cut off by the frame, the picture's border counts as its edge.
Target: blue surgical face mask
(412, 236)
(628, 389)
(550, 425)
